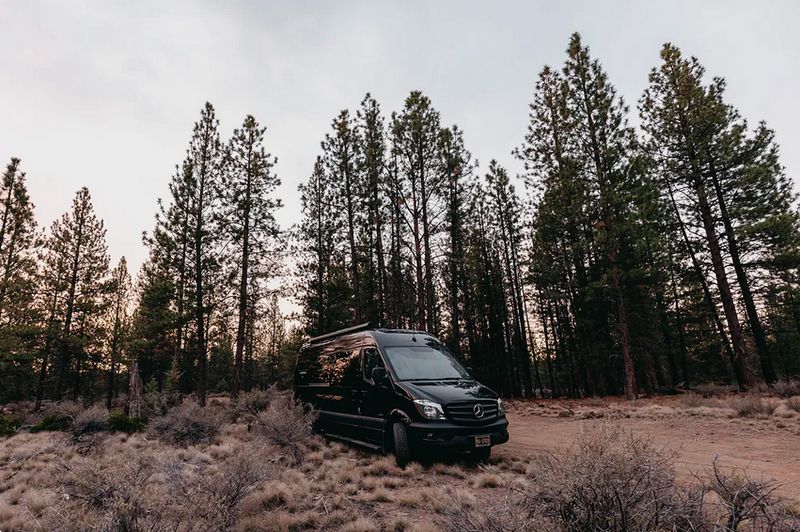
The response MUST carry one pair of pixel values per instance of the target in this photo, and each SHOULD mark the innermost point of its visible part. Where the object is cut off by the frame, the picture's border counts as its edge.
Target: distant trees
(212, 252)
(729, 182)
(18, 316)
(120, 292)
(402, 225)
(637, 260)
(17, 243)
(323, 288)
(77, 259)
(248, 221)
(600, 281)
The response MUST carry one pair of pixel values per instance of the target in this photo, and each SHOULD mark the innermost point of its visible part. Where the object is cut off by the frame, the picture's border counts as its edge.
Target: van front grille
(465, 411)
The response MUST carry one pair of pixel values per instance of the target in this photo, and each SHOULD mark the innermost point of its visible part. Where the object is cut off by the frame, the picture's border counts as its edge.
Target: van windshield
(424, 362)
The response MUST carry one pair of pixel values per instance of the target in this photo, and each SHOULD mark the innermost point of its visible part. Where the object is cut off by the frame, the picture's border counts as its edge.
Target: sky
(104, 94)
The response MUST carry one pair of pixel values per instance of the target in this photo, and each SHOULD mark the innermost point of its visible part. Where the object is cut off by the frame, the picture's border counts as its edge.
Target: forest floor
(236, 479)
(696, 429)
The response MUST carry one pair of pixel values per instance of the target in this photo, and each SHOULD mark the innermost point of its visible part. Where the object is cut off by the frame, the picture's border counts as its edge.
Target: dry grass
(786, 388)
(93, 419)
(696, 400)
(185, 424)
(711, 390)
(793, 403)
(752, 405)
(285, 422)
(253, 465)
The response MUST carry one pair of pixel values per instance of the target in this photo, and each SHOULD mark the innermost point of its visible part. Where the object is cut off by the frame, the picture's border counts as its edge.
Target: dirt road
(764, 448)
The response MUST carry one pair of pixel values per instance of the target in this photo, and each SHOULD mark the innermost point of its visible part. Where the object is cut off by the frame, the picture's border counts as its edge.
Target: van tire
(402, 454)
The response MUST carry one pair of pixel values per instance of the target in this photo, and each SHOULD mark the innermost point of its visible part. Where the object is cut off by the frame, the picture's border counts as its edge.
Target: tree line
(203, 314)
(622, 260)
(635, 260)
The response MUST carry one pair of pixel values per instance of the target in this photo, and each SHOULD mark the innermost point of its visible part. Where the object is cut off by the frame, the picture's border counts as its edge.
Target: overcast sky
(104, 94)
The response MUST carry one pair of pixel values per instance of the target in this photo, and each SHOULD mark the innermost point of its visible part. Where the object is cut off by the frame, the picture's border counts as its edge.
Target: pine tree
(323, 288)
(340, 154)
(76, 245)
(418, 180)
(702, 145)
(17, 244)
(18, 314)
(372, 169)
(120, 293)
(248, 220)
(458, 166)
(506, 218)
(171, 250)
(151, 340)
(205, 168)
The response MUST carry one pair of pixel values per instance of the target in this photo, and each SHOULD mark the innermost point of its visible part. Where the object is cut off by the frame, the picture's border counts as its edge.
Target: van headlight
(500, 410)
(429, 409)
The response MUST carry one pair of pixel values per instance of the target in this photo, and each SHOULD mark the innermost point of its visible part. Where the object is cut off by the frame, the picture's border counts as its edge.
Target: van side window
(372, 359)
(307, 367)
(339, 367)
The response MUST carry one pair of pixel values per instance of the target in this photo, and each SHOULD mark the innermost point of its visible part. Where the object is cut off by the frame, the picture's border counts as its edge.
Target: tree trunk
(351, 239)
(767, 368)
(243, 296)
(740, 362)
(135, 393)
(64, 358)
(712, 308)
(115, 341)
(199, 296)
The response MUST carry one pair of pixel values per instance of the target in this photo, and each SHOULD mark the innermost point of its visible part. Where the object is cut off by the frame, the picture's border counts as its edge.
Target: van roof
(382, 336)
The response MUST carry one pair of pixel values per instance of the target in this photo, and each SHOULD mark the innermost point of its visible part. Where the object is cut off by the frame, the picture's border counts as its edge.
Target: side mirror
(380, 377)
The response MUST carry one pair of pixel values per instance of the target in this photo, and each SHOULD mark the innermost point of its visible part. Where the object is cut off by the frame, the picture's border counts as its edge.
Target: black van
(397, 390)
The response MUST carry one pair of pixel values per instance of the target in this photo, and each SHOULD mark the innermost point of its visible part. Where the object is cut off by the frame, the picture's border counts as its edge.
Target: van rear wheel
(402, 454)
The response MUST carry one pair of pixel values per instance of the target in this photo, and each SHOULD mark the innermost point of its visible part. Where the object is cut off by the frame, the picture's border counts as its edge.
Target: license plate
(483, 441)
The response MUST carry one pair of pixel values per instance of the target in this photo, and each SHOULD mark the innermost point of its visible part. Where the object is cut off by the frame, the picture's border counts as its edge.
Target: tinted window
(424, 362)
(372, 359)
(339, 367)
(307, 367)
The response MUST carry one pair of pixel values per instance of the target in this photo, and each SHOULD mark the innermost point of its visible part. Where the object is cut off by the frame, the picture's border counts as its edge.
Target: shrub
(51, 423)
(743, 500)
(610, 482)
(508, 513)
(58, 416)
(695, 400)
(214, 494)
(250, 404)
(711, 389)
(119, 422)
(8, 426)
(793, 403)
(68, 409)
(157, 402)
(93, 419)
(286, 423)
(750, 405)
(107, 495)
(185, 424)
(786, 388)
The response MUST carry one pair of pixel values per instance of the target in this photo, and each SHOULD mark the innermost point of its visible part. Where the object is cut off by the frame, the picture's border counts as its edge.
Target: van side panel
(324, 378)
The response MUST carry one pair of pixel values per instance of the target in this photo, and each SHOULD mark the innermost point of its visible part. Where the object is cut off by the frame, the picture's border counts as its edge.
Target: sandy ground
(764, 447)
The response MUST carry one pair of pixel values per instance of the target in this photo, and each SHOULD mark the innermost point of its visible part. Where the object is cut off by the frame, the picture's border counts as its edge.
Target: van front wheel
(402, 453)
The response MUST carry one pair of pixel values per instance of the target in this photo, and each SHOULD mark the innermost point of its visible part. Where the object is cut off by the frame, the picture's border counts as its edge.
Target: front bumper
(447, 436)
